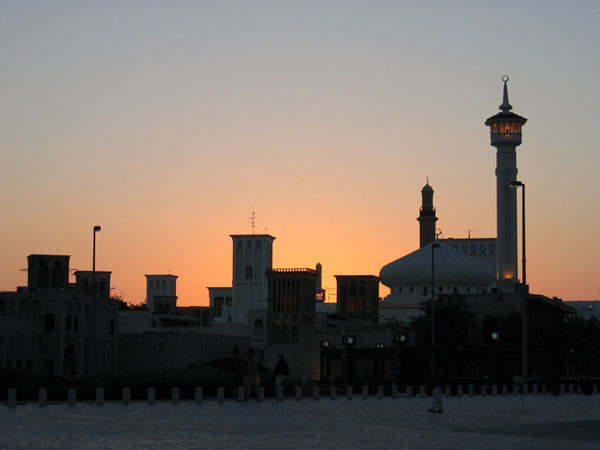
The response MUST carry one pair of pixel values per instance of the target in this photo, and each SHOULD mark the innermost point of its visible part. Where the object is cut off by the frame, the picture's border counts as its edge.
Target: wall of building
(163, 351)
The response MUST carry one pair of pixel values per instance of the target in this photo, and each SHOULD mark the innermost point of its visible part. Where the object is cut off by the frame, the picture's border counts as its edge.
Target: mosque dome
(452, 268)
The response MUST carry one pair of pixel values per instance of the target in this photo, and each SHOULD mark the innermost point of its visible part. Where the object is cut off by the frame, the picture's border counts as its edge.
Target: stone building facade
(53, 327)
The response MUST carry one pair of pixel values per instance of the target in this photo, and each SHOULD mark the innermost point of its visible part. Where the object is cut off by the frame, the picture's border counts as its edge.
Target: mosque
(479, 269)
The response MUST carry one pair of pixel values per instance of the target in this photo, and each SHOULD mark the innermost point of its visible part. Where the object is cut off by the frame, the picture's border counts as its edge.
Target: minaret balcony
(505, 138)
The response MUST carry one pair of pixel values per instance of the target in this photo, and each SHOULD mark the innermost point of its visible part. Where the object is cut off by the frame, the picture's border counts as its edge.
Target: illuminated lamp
(349, 340)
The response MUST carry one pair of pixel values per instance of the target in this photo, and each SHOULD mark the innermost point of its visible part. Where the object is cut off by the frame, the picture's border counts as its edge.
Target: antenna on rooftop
(252, 220)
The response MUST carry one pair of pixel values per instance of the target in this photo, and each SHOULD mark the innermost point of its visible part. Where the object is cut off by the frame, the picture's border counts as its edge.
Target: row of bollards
(260, 394)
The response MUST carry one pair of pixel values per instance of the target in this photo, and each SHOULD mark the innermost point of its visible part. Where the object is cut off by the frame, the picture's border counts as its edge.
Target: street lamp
(432, 363)
(516, 185)
(96, 229)
(524, 349)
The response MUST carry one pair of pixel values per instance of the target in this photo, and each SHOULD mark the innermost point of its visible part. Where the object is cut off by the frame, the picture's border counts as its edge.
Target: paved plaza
(502, 422)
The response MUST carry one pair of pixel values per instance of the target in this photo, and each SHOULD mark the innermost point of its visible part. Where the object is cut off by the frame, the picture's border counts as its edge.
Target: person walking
(251, 372)
(438, 383)
(281, 372)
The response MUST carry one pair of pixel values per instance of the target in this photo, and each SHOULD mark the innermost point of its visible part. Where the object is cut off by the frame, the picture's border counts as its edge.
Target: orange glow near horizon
(168, 125)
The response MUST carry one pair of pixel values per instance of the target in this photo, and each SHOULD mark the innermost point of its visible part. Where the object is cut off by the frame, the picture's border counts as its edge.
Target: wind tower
(427, 218)
(505, 135)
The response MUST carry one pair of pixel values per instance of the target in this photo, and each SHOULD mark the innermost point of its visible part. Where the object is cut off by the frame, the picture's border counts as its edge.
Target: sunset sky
(168, 123)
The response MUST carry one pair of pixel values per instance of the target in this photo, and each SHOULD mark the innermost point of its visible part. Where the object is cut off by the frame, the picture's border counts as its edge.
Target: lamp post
(516, 185)
(524, 349)
(96, 229)
(432, 362)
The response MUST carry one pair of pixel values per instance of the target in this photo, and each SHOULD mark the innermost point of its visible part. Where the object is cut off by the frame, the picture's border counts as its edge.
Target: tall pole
(524, 292)
(96, 229)
(524, 350)
(432, 362)
(523, 240)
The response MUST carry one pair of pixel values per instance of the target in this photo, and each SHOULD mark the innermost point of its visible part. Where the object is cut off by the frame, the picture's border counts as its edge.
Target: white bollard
(12, 397)
(71, 396)
(260, 394)
(471, 389)
(379, 392)
(394, 392)
(422, 392)
(448, 391)
(279, 394)
(365, 392)
(409, 392)
(99, 396)
(241, 394)
(495, 390)
(151, 395)
(459, 390)
(333, 392)
(349, 392)
(504, 389)
(220, 394)
(316, 392)
(483, 391)
(198, 395)
(515, 390)
(298, 393)
(42, 397)
(175, 395)
(126, 395)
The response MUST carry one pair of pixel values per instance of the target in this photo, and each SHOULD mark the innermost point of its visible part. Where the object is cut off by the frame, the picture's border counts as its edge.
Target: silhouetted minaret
(505, 133)
(427, 217)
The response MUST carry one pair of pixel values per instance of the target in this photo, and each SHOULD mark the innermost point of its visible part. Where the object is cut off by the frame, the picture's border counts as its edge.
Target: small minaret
(427, 218)
(505, 134)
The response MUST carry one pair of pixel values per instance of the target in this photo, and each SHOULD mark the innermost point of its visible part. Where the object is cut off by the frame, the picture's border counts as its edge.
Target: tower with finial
(427, 218)
(505, 135)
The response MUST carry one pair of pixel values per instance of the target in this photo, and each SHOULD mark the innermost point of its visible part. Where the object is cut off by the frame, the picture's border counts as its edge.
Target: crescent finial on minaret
(505, 106)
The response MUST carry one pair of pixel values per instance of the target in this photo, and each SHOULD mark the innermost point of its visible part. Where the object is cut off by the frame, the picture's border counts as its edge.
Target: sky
(169, 123)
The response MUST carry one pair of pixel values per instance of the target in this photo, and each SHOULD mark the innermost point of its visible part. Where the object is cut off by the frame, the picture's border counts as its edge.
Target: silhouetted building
(252, 258)
(52, 327)
(358, 297)
(161, 293)
(291, 302)
(221, 303)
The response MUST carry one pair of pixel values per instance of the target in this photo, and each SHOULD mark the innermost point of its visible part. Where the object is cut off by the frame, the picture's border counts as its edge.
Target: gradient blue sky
(167, 122)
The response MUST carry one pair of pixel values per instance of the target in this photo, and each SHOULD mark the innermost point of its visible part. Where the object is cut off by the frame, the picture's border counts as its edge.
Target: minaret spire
(427, 218)
(505, 106)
